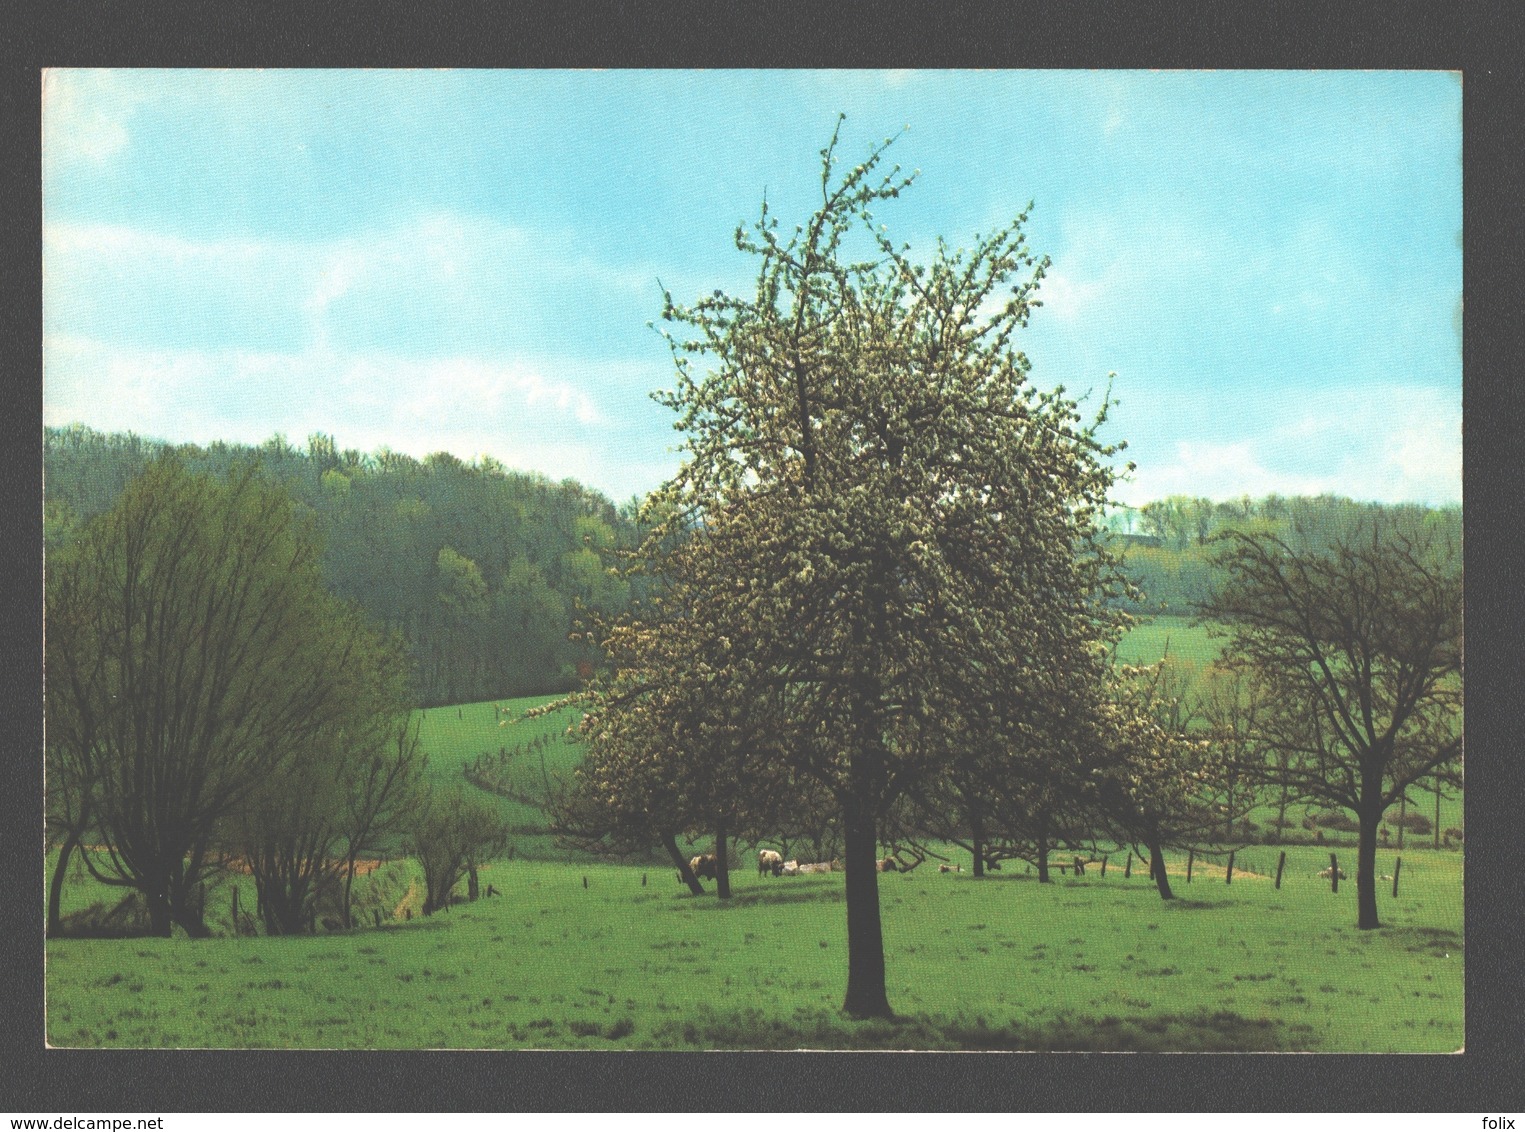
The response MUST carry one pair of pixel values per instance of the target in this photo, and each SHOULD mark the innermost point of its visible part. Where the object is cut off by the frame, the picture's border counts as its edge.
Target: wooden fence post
(377, 913)
(1397, 868)
(235, 909)
(1281, 863)
(1191, 859)
(1103, 866)
(643, 880)
(1334, 873)
(1228, 874)
(1128, 868)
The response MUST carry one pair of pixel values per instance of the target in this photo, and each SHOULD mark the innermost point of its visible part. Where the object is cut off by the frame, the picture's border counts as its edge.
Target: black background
(1484, 44)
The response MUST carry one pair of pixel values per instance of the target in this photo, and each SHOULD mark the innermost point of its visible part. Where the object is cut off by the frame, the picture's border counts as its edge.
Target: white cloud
(1069, 299)
(1391, 444)
(562, 417)
(1218, 471)
(85, 115)
(440, 286)
(445, 332)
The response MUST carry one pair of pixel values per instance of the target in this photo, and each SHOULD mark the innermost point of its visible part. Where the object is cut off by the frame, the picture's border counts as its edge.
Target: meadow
(1182, 638)
(581, 954)
(455, 736)
(631, 961)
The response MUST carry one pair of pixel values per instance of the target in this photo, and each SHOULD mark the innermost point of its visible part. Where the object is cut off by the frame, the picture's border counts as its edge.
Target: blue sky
(1270, 262)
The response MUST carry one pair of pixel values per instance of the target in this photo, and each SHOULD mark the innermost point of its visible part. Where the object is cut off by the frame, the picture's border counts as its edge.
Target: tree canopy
(881, 533)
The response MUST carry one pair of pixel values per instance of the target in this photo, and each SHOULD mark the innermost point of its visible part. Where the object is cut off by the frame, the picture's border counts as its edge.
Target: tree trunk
(686, 874)
(722, 863)
(1437, 811)
(979, 844)
(56, 888)
(160, 922)
(473, 889)
(866, 996)
(1369, 818)
(1157, 870)
(349, 880)
(195, 926)
(1042, 853)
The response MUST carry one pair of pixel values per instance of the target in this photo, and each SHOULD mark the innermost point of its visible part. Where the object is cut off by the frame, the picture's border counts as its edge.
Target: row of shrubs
(374, 896)
(1337, 819)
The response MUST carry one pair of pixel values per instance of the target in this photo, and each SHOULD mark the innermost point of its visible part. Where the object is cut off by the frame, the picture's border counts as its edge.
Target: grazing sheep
(790, 869)
(1328, 873)
(950, 868)
(817, 867)
(888, 865)
(769, 861)
(705, 867)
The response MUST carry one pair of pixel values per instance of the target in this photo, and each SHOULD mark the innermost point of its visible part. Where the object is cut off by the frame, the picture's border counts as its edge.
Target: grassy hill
(457, 736)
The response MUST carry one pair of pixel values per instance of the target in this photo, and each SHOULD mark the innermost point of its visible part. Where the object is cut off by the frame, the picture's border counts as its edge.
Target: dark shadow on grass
(438, 922)
(1436, 941)
(1204, 1032)
(767, 897)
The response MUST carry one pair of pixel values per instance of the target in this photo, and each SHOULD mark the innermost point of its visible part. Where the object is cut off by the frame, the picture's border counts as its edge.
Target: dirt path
(402, 905)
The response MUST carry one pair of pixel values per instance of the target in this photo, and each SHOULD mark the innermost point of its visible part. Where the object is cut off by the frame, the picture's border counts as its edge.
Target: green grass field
(1195, 646)
(454, 736)
(1150, 639)
(1002, 962)
(1093, 963)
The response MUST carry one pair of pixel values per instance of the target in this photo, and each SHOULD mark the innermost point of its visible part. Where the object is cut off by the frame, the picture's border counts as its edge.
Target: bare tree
(1358, 642)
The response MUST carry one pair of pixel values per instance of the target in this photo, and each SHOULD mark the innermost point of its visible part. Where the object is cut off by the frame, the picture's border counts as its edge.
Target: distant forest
(1167, 546)
(483, 570)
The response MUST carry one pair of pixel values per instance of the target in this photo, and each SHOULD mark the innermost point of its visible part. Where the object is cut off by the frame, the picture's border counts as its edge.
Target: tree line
(486, 572)
(483, 571)
(1167, 546)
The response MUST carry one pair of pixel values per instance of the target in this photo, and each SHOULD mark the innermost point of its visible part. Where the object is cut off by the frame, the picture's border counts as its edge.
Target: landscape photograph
(690, 560)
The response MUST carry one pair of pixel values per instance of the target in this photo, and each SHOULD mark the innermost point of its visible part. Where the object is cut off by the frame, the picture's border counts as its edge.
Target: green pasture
(1001, 962)
(454, 736)
(1150, 639)
(579, 954)
(1195, 645)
